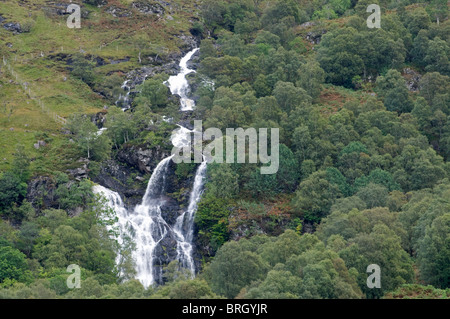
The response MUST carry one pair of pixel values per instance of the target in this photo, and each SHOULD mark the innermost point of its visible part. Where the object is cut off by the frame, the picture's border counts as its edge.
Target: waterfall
(145, 224)
(179, 85)
(115, 202)
(148, 226)
(124, 100)
(184, 226)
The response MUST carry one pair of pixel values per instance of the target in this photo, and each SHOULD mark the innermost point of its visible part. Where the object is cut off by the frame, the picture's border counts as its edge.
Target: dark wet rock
(315, 36)
(166, 251)
(188, 42)
(194, 61)
(170, 210)
(99, 61)
(100, 3)
(145, 160)
(13, 27)
(117, 176)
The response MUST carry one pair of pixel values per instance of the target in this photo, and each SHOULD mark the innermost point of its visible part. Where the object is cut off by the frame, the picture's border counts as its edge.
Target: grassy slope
(101, 35)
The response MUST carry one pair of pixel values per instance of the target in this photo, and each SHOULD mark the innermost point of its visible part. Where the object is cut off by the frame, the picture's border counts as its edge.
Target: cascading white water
(124, 99)
(179, 85)
(145, 224)
(148, 226)
(184, 226)
(115, 202)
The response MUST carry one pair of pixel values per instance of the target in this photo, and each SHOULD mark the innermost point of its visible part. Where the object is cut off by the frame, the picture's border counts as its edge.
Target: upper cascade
(179, 85)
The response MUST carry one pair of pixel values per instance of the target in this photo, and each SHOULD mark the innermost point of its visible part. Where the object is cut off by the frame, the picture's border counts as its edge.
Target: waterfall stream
(178, 84)
(124, 100)
(145, 223)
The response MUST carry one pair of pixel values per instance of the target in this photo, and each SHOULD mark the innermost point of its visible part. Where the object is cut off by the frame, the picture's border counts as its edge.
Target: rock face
(145, 160)
(129, 172)
(13, 27)
(117, 176)
(80, 172)
(315, 37)
(412, 79)
(120, 175)
(41, 193)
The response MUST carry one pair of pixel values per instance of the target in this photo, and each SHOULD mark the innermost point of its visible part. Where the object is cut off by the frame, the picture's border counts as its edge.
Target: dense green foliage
(363, 175)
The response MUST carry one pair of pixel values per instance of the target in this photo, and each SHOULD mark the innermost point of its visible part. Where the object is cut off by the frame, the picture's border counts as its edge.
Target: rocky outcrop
(412, 79)
(60, 9)
(128, 173)
(145, 160)
(13, 27)
(39, 144)
(123, 179)
(41, 193)
(80, 172)
(119, 12)
(146, 7)
(100, 3)
(56, 9)
(315, 33)
(99, 119)
(314, 37)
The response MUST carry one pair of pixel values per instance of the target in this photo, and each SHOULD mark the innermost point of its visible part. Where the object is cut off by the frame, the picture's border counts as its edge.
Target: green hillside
(364, 146)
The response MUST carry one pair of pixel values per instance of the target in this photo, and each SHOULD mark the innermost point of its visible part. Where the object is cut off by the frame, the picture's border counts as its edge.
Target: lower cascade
(144, 224)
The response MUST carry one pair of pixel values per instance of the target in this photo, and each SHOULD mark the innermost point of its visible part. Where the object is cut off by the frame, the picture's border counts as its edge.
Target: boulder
(39, 144)
(13, 27)
(315, 36)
